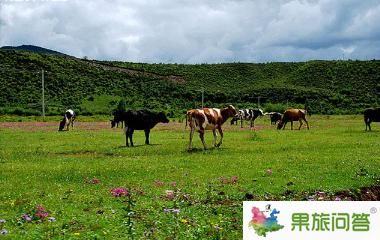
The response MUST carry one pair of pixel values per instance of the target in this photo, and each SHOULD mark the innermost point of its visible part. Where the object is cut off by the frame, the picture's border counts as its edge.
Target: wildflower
(2, 221)
(41, 212)
(52, 219)
(77, 234)
(3, 232)
(269, 171)
(169, 194)
(95, 181)
(184, 221)
(172, 210)
(338, 199)
(119, 192)
(217, 227)
(321, 195)
(26, 217)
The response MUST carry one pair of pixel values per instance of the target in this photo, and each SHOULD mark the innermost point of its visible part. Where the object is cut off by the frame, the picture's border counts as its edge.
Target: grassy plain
(71, 175)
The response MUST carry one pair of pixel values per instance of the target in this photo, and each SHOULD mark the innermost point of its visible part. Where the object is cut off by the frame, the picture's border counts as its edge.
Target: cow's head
(280, 124)
(62, 125)
(162, 117)
(113, 123)
(230, 111)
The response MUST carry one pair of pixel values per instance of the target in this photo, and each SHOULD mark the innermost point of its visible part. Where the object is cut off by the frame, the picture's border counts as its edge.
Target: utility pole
(203, 95)
(258, 102)
(43, 93)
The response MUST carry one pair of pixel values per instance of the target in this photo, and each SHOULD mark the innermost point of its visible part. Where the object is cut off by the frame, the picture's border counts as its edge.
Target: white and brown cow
(68, 119)
(208, 119)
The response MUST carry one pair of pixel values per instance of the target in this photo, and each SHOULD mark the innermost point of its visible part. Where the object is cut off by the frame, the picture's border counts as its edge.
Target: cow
(68, 119)
(274, 117)
(141, 120)
(208, 119)
(291, 115)
(247, 114)
(371, 115)
(117, 118)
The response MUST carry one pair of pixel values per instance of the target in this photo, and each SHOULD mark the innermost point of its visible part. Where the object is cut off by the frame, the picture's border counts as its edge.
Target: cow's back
(373, 114)
(294, 114)
(140, 120)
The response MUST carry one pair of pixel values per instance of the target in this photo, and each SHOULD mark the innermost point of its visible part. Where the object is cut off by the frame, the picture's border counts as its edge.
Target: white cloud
(196, 31)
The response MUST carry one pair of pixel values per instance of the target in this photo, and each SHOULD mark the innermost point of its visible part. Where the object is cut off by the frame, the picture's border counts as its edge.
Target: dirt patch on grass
(52, 126)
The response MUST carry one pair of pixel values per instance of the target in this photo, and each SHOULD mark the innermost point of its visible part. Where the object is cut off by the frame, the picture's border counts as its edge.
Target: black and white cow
(247, 114)
(141, 120)
(68, 118)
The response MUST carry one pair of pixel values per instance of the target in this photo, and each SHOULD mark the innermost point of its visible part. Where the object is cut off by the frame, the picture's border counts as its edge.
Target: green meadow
(168, 192)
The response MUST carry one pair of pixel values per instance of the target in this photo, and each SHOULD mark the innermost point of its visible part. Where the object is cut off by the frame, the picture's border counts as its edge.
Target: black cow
(141, 120)
(117, 115)
(274, 117)
(68, 118)
(371, 115)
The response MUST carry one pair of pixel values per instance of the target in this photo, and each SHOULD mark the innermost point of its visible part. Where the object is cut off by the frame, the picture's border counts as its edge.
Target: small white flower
(3, 232)
(52, 219)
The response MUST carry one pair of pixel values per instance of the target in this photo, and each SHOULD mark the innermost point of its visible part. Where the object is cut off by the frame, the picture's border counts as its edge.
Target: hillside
(34, 49)
(95, 87)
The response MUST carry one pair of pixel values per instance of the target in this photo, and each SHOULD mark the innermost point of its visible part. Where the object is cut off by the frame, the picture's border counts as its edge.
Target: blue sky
(195, 31)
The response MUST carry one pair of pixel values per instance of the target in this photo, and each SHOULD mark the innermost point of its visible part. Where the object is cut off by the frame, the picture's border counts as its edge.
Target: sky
(195, 31)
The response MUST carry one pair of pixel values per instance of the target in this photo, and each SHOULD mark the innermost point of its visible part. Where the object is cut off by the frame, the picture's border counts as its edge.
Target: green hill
(96, 87)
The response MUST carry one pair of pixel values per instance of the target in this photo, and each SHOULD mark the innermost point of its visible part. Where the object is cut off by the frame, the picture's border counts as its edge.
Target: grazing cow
(208, 119)
(247, 114)
(141, 120)
(68, 118)
(274, 117)
(293, 115)
(117, 115)
(371, 115)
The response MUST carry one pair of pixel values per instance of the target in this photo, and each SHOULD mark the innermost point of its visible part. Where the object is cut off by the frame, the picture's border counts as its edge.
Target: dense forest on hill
(96, 87)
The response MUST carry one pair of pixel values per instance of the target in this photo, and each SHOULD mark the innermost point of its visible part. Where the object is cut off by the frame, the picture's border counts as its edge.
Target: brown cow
(293, 115)
(208, 119)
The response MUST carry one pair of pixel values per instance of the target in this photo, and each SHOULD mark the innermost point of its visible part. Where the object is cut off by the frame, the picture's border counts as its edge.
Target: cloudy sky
(195, 31)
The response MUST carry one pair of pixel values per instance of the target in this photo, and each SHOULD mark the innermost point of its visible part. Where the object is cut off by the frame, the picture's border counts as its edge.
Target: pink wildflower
(169, 194)
(41, 212)
(119, 192)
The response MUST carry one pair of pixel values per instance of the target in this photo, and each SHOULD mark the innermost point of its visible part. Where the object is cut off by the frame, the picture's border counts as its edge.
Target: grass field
(72, 174)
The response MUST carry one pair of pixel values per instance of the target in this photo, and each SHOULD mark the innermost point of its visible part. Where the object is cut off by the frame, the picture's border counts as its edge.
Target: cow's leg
(221, 136)
(215, 136)
(131, 130)
(147, 131)
(307, 123)
(283, 128)
(291, 125)
(300, 124)
(192, 129)
(202, 137)
(126, 136)
(241, 122)
(369, 125)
